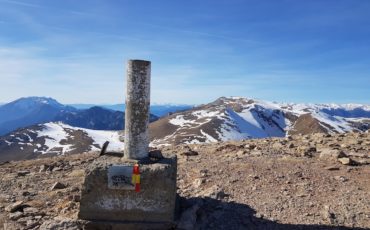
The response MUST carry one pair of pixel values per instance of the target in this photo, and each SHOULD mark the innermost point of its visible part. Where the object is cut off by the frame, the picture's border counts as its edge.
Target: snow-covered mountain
(233, 118)
(238, 118)
(29, 111)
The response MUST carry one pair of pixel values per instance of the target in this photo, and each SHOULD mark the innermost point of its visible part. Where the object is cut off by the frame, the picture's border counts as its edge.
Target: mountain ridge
(29, 111)
(238, 118)
(225, 119)
(155, 109)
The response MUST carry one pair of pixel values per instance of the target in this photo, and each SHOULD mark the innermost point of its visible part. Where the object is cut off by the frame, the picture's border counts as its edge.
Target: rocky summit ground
(317, 181)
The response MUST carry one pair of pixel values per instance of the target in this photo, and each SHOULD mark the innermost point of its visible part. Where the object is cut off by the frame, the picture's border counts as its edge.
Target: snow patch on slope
(209, 138)
(100, 137)
(55, 134)
(180, 121)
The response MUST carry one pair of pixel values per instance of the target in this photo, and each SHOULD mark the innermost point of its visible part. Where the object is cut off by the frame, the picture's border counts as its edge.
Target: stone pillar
(108, 196)
(137, 109)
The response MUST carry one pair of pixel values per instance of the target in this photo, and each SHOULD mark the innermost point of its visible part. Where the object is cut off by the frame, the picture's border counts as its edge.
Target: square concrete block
(108, 196)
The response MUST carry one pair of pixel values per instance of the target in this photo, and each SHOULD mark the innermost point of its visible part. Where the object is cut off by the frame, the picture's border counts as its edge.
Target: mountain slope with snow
(29, 111)
(222, 120)
(55, 139)
(238, 118)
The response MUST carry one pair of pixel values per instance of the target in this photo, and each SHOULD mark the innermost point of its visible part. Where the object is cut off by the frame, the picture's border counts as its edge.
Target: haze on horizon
(288, 51)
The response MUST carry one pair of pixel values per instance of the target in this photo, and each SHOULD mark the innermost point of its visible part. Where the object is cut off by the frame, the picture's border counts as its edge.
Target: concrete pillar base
(108, 199)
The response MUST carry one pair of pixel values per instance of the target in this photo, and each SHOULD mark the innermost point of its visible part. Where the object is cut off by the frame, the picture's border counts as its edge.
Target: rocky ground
(316, 181)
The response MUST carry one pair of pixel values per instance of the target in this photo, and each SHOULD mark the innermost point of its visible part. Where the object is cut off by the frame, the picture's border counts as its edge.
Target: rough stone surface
(154, 203)
(137, 109)
(61, 223)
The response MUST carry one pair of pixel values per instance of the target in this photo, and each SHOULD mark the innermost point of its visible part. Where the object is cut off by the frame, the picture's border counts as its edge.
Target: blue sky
(278, 50)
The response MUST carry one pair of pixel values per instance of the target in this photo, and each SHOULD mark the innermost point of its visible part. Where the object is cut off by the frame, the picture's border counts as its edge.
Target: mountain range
(237, 118)
(36, 110)
(28, 111)
(158, 110)
(233, 118)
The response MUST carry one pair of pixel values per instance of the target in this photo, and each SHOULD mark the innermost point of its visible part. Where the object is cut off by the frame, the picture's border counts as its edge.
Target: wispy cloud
(20, 3)
(50, 48)
(24, 72)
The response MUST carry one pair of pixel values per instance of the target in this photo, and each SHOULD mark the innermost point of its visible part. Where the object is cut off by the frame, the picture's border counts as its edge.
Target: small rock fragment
(15, 216)
(345, 160)
(328, 153)
(31, 224)
(332, 168)
(250, 146)
(30, 210)
(198, 182)
(341, 178)
(327, 214)
(74, 198)
(58, 185)
(256, 153)
(57, 169)
(204, 172)
(308, 151)
(240, 153)
(14, 207)
(43, 168)
(26, 193)
(215, 192)
(190, 153)
(23, 173)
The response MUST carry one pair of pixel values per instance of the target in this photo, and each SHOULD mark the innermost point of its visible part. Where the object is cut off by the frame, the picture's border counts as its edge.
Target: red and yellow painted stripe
(136, 177)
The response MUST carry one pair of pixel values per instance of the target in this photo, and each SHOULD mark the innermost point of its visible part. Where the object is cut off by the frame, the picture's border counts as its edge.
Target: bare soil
(302, 182)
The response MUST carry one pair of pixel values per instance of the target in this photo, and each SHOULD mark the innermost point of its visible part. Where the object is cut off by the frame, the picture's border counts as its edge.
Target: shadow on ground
(215, 214)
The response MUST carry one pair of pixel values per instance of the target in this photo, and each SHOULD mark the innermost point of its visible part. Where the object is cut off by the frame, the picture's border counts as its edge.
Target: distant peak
(44, 100)
(232, 99)
(33, 101)
(97, 108)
